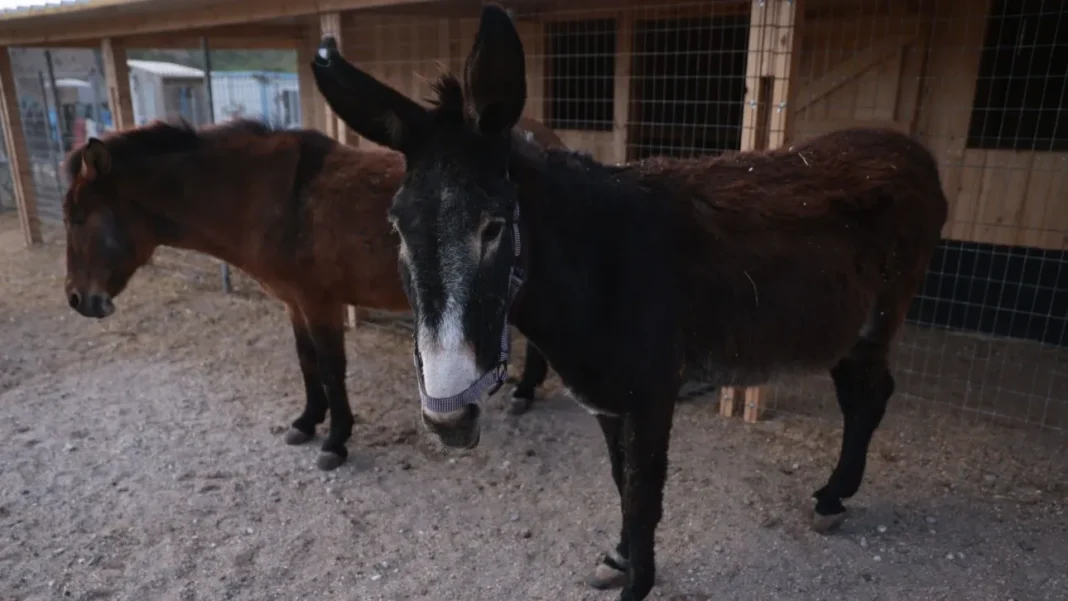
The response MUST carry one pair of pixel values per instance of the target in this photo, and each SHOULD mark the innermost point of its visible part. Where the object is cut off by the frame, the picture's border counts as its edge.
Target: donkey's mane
(448, 100)
(448, 107)
(161, 138)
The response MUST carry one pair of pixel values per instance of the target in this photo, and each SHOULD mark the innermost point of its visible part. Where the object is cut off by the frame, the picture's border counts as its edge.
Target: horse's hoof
(825, 524)
(518, 405)
(295, 436)
(329, 461)
(606, 577)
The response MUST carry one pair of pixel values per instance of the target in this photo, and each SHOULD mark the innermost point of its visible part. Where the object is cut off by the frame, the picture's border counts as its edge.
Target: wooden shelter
(626, 79)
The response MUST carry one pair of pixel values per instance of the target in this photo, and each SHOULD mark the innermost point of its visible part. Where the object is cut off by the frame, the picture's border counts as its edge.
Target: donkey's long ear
(495, 80)
(371, 108)
(96, 160)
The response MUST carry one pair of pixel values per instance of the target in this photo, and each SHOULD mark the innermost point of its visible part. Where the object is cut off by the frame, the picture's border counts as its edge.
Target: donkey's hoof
(606, 577)
(294, 436)
(825, 524)
(328, 460)
(518, 405)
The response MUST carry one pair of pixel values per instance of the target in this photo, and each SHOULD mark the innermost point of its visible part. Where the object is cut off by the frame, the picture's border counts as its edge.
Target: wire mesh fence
(63, 101)
(980, 83)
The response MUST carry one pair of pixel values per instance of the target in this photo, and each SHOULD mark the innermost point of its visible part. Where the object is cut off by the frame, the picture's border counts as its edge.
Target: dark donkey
(632, 278)
(299, 212)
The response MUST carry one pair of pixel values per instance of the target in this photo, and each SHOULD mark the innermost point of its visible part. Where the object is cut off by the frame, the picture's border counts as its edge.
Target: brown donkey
(302, 214)
(631, 278)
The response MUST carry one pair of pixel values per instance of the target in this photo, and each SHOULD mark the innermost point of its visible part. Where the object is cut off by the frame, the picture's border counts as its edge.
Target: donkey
(631, 278)
(302, 214)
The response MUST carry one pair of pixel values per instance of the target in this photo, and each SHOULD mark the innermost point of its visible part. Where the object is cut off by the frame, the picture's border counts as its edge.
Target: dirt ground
(141, 459)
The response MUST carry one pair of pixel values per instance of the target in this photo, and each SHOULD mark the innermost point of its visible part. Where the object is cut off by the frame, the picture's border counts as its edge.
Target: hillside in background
(225, 60)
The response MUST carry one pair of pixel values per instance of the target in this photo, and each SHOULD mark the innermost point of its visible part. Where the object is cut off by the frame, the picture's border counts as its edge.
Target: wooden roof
(78, 23)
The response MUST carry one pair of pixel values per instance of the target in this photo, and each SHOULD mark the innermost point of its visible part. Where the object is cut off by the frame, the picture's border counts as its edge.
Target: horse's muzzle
(91, 305)
(461, 432)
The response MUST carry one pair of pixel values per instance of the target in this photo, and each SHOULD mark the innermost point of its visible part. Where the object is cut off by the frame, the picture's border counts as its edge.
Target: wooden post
(330, 23)
(117, 74)
(774, 53)
(310, 102)
(18, 154)
(621, 96)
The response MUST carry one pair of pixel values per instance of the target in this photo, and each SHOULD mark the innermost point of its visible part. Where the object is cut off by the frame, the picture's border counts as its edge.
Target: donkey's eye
(492, 231)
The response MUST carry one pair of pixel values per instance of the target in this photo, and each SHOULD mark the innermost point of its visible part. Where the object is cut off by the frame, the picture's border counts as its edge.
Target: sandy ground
(141, 459)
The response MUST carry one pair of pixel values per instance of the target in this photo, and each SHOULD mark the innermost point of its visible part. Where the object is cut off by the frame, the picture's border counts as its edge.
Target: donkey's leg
(315, 405)
(329, 338)
(535, 368)
(612, 571)
(646, 435)
(863, 384)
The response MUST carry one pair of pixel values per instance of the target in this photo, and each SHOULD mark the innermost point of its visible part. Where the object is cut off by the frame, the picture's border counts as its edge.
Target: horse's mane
(160, 138)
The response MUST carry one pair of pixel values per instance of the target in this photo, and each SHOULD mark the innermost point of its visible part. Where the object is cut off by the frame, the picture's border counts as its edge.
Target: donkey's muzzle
(461, 432)
(91, 305)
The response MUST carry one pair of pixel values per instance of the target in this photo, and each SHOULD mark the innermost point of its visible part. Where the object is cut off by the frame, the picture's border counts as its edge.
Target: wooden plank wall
(916, 72)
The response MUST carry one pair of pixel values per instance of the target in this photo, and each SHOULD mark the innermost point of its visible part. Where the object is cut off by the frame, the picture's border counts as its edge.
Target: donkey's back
(793, 255)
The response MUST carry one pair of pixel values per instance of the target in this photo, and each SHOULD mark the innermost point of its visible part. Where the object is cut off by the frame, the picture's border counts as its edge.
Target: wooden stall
(634, 78)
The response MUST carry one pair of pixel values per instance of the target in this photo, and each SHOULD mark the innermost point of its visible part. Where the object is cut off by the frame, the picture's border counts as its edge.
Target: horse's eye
(492, 231)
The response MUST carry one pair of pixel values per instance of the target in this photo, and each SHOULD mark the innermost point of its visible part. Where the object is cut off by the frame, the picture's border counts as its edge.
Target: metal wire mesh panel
(63, 101)
(981, 84)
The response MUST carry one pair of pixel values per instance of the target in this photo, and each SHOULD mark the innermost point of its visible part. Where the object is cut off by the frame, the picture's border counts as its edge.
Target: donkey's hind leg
(535, 369)
(315, 403)
(863, 384)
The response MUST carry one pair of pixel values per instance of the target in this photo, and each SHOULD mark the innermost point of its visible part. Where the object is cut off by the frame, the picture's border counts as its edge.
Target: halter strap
(491, 381)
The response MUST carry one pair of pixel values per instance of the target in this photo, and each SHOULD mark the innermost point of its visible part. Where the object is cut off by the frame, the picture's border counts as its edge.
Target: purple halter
(491, 381)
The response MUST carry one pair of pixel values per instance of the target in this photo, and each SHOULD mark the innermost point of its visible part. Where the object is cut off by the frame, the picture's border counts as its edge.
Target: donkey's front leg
(611, 572)
(535, 369)
(329, 338)
(315, 403)
(646, 435)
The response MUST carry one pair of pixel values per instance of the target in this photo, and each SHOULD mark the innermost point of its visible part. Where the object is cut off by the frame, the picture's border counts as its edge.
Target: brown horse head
(108, 237)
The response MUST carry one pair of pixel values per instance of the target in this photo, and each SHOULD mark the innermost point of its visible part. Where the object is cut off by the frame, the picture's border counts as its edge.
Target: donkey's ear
(96, 160)
(371, 108)
(495, 80)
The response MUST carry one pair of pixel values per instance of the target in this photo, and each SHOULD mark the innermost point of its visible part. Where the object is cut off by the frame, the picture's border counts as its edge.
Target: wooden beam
(754, 73)
(771, 69)
(330, 23)
(18, 154)
(621, 96)
(310, 102)
(786, 49)
(258, 36)
(117, 74)
(98, 24)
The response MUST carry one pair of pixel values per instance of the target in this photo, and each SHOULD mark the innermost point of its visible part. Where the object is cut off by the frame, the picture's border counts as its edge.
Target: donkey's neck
(591, 242)
(198, 202)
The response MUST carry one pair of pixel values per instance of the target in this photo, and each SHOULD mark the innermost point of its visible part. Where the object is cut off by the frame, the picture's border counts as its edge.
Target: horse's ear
(96, 160)
(495, 80)
(371, 108)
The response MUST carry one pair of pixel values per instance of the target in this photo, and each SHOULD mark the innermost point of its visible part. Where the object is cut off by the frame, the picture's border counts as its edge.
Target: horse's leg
(612, 571)
(535, 368)
(328, 335)
(315, 404)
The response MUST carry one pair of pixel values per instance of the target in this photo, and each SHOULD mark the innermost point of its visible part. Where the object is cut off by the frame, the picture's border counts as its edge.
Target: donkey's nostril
(74, 299)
